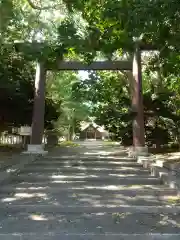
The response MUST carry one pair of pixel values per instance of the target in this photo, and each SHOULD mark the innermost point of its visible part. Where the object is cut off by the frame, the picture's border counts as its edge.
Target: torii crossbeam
(99, 65)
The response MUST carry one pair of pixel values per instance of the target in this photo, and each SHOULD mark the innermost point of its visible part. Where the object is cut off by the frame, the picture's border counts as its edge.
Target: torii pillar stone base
(35, 149)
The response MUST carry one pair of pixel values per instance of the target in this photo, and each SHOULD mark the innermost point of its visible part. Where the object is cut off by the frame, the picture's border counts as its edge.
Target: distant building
(90, 130)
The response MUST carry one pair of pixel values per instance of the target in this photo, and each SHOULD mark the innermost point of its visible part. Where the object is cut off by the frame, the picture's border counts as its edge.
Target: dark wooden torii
(137, 96)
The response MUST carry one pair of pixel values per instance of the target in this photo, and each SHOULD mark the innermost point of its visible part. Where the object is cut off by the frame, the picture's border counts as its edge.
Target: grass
(174, 200)
(68, 144)
(109, 143)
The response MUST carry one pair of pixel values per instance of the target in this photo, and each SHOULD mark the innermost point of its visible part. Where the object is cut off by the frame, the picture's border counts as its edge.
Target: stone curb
(168, 172)
(15, 168)
(87, 236)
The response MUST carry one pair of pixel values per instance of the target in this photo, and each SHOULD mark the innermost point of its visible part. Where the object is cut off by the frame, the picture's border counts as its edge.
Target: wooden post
(39, 105)
(137, 101)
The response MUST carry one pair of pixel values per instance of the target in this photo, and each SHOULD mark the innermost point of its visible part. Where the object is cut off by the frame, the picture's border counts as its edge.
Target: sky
(83, 75)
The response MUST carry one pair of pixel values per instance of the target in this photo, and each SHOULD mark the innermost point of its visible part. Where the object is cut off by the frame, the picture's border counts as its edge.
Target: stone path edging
(168, 172)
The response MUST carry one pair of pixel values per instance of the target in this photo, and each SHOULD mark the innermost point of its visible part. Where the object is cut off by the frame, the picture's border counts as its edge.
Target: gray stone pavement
(87, 193)
(13, 164)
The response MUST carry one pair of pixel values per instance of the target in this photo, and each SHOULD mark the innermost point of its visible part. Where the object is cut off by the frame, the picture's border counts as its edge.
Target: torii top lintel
(58, 65)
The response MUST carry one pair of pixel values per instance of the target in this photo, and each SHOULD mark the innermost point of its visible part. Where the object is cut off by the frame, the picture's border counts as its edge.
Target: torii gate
(36, 145)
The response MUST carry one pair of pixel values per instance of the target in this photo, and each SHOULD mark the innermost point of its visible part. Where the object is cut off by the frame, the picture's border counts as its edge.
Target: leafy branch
(36, 7)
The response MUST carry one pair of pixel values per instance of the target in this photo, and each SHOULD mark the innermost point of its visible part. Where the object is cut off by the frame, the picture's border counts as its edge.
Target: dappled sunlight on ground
(96, 153)
(36, 217)
(10, 170)
(104, 195)
(100, 222)
(87, 193)
(116, 218)
(75, 157)
(20, 196)
(103, 153)
(171, 157)
(84, 176)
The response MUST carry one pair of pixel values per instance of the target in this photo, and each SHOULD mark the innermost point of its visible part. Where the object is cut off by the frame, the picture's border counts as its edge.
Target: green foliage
(41, 51)
(16, 88)
(19, 22)
(113, 25)
(17, 91)
(108, 95)
(60, 88)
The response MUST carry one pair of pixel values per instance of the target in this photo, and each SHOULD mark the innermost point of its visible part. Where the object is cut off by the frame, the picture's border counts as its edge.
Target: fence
(14, 140)
(11, 140)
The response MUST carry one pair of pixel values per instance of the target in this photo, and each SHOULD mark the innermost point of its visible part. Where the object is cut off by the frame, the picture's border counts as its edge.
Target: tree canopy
(88, 30)
(72, 110)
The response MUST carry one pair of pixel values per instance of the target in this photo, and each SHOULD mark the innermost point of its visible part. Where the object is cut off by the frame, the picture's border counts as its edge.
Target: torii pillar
(139, 147)
(36, 146)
